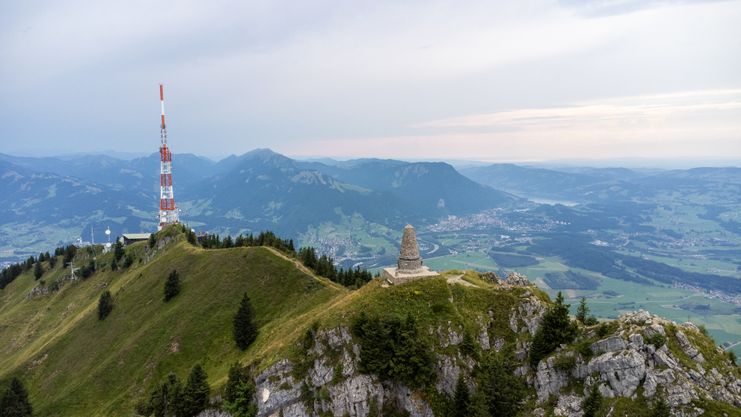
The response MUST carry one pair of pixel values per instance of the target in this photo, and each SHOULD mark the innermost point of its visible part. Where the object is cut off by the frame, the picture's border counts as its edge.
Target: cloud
(636, 111)
(80, 75)
(688, 124)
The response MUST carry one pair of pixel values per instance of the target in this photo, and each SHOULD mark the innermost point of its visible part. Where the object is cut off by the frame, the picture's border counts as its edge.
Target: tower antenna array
(168, 211)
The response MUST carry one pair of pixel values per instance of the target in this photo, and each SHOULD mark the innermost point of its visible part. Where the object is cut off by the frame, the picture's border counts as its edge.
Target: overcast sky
(492, 80)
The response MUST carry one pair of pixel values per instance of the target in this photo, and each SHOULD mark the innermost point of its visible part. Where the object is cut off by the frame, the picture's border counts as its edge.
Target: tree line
(322, 265)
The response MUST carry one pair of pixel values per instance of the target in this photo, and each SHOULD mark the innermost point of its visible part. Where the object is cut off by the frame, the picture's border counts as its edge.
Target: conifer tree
(245, 330)
(503, 390)
(52, 261)
(582, 311)
(38, 270)
(114, 265)
(14, 401)
(118, 251)
(172, 285)
(555, 328)
(592, 402)
(239, 393)
(152, 240)
(461, 399)
(167, 399)
(196, 392)
(105, 305)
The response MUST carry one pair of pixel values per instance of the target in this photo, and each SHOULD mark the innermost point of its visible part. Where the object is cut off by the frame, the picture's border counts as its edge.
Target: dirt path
(458, 279)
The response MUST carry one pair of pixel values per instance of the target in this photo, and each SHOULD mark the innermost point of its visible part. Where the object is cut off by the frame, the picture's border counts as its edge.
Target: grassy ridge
(75, 364)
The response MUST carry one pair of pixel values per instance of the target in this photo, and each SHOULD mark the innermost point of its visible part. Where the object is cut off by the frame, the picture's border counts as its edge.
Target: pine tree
(114, 265)
(503, 390)
(105, 305)
(461, 399)
(14, 401)
(239, 393)
(245, 330)
(167, 399)
(592, 402)
(582, 311)
(38, 270)
(196, 392)
(118, 251)
(555, 328)
(172, 285)
(52, 261)
(152, 240)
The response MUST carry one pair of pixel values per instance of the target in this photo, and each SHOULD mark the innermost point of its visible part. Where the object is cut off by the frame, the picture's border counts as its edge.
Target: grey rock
(353, 396)
(611, 344)
(516, 280)
(213, 413)
(549, 380)
(529, 312)
(654, 329)
(688, 348)
(623, 371)
(656, 378)
(447, 374)
(569, 405)
(410, 401)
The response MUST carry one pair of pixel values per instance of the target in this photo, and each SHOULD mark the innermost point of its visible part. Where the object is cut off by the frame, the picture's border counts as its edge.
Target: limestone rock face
(619, 365)
(623, 371)
(624, 362)
(517, 280)
(611, 344)
(409, 259)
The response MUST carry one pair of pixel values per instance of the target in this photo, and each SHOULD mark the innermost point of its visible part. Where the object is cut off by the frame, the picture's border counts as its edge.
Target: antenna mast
(168, 211)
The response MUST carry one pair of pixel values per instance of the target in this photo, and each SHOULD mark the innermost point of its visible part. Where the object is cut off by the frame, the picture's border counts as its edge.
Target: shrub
(732, 357)
(602, 330)
(656, 339)
(660, 408)
(128, 261)
(564, 362)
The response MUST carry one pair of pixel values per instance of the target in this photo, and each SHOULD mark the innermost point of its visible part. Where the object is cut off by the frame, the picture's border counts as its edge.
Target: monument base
(393, 276)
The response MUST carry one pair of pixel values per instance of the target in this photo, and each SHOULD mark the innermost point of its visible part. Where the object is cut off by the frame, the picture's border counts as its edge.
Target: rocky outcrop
(623, 362)
(620, 364)
(526, 316)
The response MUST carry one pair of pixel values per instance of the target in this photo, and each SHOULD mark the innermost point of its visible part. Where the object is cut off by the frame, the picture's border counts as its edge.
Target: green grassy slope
(74, 364)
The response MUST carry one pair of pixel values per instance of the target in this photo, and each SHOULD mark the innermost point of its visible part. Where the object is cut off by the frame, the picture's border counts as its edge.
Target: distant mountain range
(252, 192)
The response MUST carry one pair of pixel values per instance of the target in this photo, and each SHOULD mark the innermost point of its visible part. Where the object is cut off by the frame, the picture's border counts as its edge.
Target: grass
(75, 364)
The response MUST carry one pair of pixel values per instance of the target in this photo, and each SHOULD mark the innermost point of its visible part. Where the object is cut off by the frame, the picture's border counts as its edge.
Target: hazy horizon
(632, 163)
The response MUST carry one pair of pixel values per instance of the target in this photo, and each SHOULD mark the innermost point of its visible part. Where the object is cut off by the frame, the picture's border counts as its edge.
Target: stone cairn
(409, 260)
(409, 265)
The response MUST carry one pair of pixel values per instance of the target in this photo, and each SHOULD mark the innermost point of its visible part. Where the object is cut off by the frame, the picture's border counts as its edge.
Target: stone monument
(409, 266)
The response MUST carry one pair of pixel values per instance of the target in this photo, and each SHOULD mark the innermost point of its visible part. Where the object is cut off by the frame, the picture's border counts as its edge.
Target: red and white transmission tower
(168, 211)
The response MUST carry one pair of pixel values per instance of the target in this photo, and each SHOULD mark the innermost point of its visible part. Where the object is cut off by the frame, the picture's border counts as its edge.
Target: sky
(526, 80)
